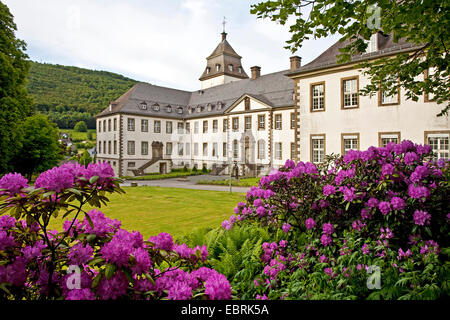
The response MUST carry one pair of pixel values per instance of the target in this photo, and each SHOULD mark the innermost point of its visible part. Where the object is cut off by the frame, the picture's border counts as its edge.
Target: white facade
(335, 127)
(253, 144)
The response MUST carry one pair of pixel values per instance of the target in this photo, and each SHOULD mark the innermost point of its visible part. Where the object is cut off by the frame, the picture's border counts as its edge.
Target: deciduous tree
(421, 22)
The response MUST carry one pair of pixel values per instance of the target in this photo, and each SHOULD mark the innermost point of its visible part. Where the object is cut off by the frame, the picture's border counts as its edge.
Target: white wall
(410, 118)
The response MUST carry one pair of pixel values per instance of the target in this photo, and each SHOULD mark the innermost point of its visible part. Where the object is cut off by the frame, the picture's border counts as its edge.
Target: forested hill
(70, 94)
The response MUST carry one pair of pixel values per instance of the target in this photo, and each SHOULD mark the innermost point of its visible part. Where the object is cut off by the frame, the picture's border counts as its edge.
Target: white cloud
(162, 42)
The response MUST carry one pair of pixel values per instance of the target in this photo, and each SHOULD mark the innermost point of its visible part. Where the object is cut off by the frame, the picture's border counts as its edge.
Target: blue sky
(162, 42)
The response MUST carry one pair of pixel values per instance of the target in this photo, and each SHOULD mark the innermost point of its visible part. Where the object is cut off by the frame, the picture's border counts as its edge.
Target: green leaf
(93, 179)
(109, 270)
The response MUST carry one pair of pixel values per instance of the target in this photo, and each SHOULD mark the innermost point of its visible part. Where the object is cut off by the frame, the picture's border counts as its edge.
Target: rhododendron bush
(93, 257)
(370, 224)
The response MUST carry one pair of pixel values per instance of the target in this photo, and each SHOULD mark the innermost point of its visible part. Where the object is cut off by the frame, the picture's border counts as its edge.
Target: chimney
(256, 72)
(296, 62)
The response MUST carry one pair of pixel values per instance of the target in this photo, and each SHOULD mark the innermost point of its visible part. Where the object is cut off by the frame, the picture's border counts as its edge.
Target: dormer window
(199, 108)
(169, 109)
(219, 105)
(143, 106)
(180, 110)
(240, 69)
(208, 70)
(156, 107)
(217, 67)
(230, 67)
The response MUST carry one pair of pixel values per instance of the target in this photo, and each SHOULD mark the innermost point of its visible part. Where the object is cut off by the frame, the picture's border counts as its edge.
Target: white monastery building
(258, 122)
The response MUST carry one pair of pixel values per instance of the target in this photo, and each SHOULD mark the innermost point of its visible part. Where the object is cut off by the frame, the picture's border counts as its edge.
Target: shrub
(383, 210)
(92, 258)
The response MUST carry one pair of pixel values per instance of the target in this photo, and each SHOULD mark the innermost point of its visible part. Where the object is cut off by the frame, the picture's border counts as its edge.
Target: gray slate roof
(274, 89)
(328, 58)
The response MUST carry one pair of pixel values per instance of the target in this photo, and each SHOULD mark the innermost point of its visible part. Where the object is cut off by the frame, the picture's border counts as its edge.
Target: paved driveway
(187, 183)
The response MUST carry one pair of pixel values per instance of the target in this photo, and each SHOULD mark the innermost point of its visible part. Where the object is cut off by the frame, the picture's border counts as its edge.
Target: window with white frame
(99, 147)
(109, 147)
(278, 122)
(349, 142)
(196, 127)
(215, 125)
(235, 124)
(224, 149)
(157, 126)
(225, 125)
(144, 148)
(205, 149)
(261, 122)
(293, 150)
(144, 125)
(115, 146)
(248, 123)
(130, 148)
(168, 126)
(195, 149)
(180, 127)
(385, 98)
(214, 149)
(180, 148)
(318, 97)
(188, 148)
(387, 137)
(235, 148)
(350, 93)
(130, 124)
(278, 150)
(205, 126)
(317, 149)
(439, 143)
(188, 127)
(115, 124)
(169, 148)
(261, 149)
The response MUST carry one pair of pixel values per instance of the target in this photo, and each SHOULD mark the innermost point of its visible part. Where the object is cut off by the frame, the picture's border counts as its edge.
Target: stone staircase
(216, 170)
(140, 171)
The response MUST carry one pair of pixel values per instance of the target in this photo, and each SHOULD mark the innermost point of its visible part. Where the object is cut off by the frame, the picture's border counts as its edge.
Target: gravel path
(187, 183)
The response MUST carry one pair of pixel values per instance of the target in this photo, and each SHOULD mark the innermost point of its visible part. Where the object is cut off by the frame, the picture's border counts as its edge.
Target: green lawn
(245, 182)
(151, 210)
(158, 176)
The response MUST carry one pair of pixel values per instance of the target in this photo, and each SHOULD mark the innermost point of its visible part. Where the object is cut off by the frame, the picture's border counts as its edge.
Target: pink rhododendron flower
(310, 223)
(421, 217)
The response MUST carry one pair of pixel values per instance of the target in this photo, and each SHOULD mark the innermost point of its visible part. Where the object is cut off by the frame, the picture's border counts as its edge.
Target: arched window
(240, 69)
(217, 67)
(169, 108)
(230, 67)
(180, 110)
(208, 70)
(156, 107)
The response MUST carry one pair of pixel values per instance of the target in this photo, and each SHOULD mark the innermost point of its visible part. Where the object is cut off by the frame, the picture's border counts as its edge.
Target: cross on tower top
(224, 23)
